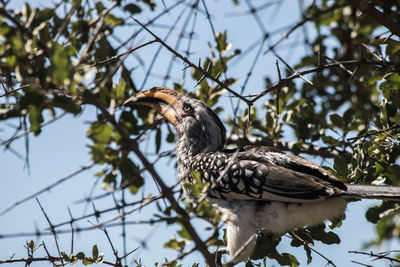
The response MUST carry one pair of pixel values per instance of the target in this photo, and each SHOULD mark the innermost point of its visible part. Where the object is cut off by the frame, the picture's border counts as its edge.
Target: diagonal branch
(355, 62)
(192, 65)
(47, 188)
(377, 15)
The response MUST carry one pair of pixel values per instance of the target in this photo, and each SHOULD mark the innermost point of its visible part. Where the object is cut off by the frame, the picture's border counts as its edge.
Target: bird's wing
(265, 174)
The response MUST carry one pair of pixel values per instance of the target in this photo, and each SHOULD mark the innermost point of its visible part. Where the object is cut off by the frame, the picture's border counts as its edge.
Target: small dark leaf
(158, 140)
(348, 116)
(318, 233)
(373, 214)
(80, 255)
(308, 252)
(337, 120)
(340, 165)
(130, 175)
(31, 244)
(67, 104)
(35, 118)
(95, 252)
(132, 8)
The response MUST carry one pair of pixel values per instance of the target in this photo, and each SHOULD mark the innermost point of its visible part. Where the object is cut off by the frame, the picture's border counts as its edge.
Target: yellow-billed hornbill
(253, 187)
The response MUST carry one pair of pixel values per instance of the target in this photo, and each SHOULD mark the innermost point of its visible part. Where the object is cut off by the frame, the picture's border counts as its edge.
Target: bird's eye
(187, 108)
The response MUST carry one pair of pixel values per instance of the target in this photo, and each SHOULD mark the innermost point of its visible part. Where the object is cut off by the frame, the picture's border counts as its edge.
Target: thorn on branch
(278, 90)
(294, 71)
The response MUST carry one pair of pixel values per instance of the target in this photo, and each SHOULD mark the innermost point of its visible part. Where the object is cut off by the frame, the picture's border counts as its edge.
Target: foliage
(342, 96)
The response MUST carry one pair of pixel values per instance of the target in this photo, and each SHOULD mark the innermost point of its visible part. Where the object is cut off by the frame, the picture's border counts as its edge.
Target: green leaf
(318, 233)
(35, 118)
(330, 140)
(348, 116)
(289, 260)
(80, 255)
(337, 120)
(62, 65)
(67, 104)
(129, 122)
(100, 132)
(308, 253)
(340, 166)
(158, 140)
(130, 175)
(120, 91)
(98, 153)
(31, 244)
(184, 233)
(87, 262)
(132, 8)
(175, 244)
(113, 20)
(197, 187)
(222, 45)
(110, 181)
(374, 214)
(219, 67)
(95, 252)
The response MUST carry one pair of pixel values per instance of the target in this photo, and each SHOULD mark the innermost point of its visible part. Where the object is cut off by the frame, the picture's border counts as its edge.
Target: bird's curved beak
(161, 99)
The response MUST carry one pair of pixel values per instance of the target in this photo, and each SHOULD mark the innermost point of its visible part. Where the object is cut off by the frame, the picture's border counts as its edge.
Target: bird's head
(196, 124)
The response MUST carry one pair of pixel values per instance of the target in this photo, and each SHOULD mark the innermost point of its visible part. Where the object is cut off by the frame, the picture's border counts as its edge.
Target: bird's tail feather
(373, 192)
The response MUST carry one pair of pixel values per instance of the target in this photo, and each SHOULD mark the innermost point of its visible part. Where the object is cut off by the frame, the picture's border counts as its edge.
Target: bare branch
(184, 59)
(377, 256)
(7, 142)
(355, 62)
(9, 113)
(47, 188)
(52, 230)
(377, 15)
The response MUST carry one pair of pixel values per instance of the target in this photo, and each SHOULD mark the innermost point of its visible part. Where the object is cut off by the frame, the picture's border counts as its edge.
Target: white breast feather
(243, 219)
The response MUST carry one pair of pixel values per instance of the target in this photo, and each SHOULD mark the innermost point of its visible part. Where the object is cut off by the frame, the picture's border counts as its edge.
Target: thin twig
(238, 253)
(382, 255)
(377, 15)
(53, 231)
(122, 54)
(294, 71)
(317, 69)
(14, 90)
(372, 133)
(184, 59)
(7, 142)
(47, 188)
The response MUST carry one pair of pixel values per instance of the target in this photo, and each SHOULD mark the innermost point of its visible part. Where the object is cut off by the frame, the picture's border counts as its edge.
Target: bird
(253, 187)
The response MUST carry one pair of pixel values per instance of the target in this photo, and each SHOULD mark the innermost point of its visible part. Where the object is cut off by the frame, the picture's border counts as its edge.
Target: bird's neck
(187, 147)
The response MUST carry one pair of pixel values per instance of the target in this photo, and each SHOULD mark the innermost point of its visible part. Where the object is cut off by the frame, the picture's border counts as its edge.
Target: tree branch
(374, 13)
(187, 61)
(9, 113)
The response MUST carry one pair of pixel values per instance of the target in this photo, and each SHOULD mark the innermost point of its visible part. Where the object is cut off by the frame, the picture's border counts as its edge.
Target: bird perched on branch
(253, 187)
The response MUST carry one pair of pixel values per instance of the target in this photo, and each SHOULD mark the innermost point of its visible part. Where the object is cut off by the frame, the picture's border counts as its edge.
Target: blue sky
(61, 149)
